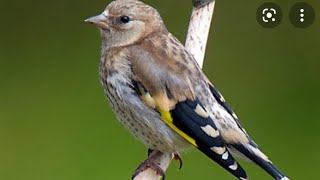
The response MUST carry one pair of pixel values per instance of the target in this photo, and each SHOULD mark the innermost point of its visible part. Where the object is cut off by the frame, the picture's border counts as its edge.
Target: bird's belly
(145, 123)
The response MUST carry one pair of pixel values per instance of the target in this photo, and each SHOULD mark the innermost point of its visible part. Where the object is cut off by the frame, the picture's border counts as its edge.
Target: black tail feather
(238, 172)
(190, 122)
(265, 164)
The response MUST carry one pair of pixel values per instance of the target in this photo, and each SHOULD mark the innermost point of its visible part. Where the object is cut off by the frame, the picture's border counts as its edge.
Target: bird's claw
(177, 156)
(148, 163)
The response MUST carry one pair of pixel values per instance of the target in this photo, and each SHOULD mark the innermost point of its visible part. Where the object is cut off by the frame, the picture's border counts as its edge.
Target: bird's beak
(99, 20)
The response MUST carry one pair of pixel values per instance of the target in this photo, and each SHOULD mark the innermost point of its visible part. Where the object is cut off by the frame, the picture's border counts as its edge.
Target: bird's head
(125, 22)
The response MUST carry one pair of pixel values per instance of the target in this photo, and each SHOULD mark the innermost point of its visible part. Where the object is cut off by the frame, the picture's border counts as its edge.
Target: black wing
(191, 118)
(251, 149)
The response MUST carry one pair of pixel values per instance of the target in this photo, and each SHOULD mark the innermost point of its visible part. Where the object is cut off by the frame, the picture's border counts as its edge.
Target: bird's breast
(143, 122)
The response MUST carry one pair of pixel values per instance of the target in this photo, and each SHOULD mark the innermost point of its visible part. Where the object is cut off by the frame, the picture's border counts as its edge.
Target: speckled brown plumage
(159, 93)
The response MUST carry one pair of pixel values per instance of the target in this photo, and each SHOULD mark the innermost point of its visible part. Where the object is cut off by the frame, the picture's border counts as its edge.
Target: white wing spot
(257, 152)
(225, 155)
(218, 150)
(284, 178)
(234, 166)
(234, 115)
(244, 178)
(234, 136)
(221, 97)
(201, 112)
(244, 130)
(210, 131)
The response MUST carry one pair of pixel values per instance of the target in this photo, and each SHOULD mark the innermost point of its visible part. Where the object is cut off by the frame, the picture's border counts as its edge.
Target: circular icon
(302, 15)
(269, 15)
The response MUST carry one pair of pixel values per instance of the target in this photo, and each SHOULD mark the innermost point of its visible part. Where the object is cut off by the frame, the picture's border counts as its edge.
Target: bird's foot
(149, 163)
(177, 157)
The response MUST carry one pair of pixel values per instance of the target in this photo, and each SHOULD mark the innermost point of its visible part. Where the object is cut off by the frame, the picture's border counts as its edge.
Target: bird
(160, 94)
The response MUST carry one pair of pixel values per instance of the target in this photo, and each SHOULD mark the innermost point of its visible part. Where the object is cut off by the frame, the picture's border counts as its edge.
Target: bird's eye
(124, 19)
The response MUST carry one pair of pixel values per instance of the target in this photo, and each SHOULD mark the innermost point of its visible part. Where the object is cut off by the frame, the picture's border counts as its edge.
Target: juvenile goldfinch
(158, 91)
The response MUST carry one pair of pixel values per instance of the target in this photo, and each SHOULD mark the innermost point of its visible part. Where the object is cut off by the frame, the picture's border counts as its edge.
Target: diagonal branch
(199, 27)
(196, 42)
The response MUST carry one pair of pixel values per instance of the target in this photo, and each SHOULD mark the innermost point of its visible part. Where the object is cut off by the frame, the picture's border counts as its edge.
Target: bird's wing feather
(190, 120)
(191, 117)
(220, 99)
(249, 150)
(165, 78)
(169, 91)
(164, 71)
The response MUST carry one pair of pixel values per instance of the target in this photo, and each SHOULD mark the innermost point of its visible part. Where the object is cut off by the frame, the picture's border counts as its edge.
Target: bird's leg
(149, 163)
(177, 157)
(149, 151)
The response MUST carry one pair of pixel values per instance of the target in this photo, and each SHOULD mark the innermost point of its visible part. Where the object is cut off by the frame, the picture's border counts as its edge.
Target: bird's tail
(252, 152)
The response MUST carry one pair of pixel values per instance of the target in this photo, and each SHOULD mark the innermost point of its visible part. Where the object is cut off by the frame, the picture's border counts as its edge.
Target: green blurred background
(55, 123)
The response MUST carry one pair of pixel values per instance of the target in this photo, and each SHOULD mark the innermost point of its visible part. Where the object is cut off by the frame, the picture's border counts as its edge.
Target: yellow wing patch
(163, 105)
(163, 102)
(167, 118)
(146, 98)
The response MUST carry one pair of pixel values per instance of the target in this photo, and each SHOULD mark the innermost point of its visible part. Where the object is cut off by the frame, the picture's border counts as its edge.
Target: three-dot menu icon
(302, 15)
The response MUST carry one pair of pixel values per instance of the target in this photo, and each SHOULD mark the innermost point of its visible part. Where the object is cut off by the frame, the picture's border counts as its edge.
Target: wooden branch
(162, 160)
(196, 42)
(198, 31)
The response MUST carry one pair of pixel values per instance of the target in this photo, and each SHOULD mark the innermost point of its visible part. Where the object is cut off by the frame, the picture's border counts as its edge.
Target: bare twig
(198, 31)
(162, 160)
(196, 41)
